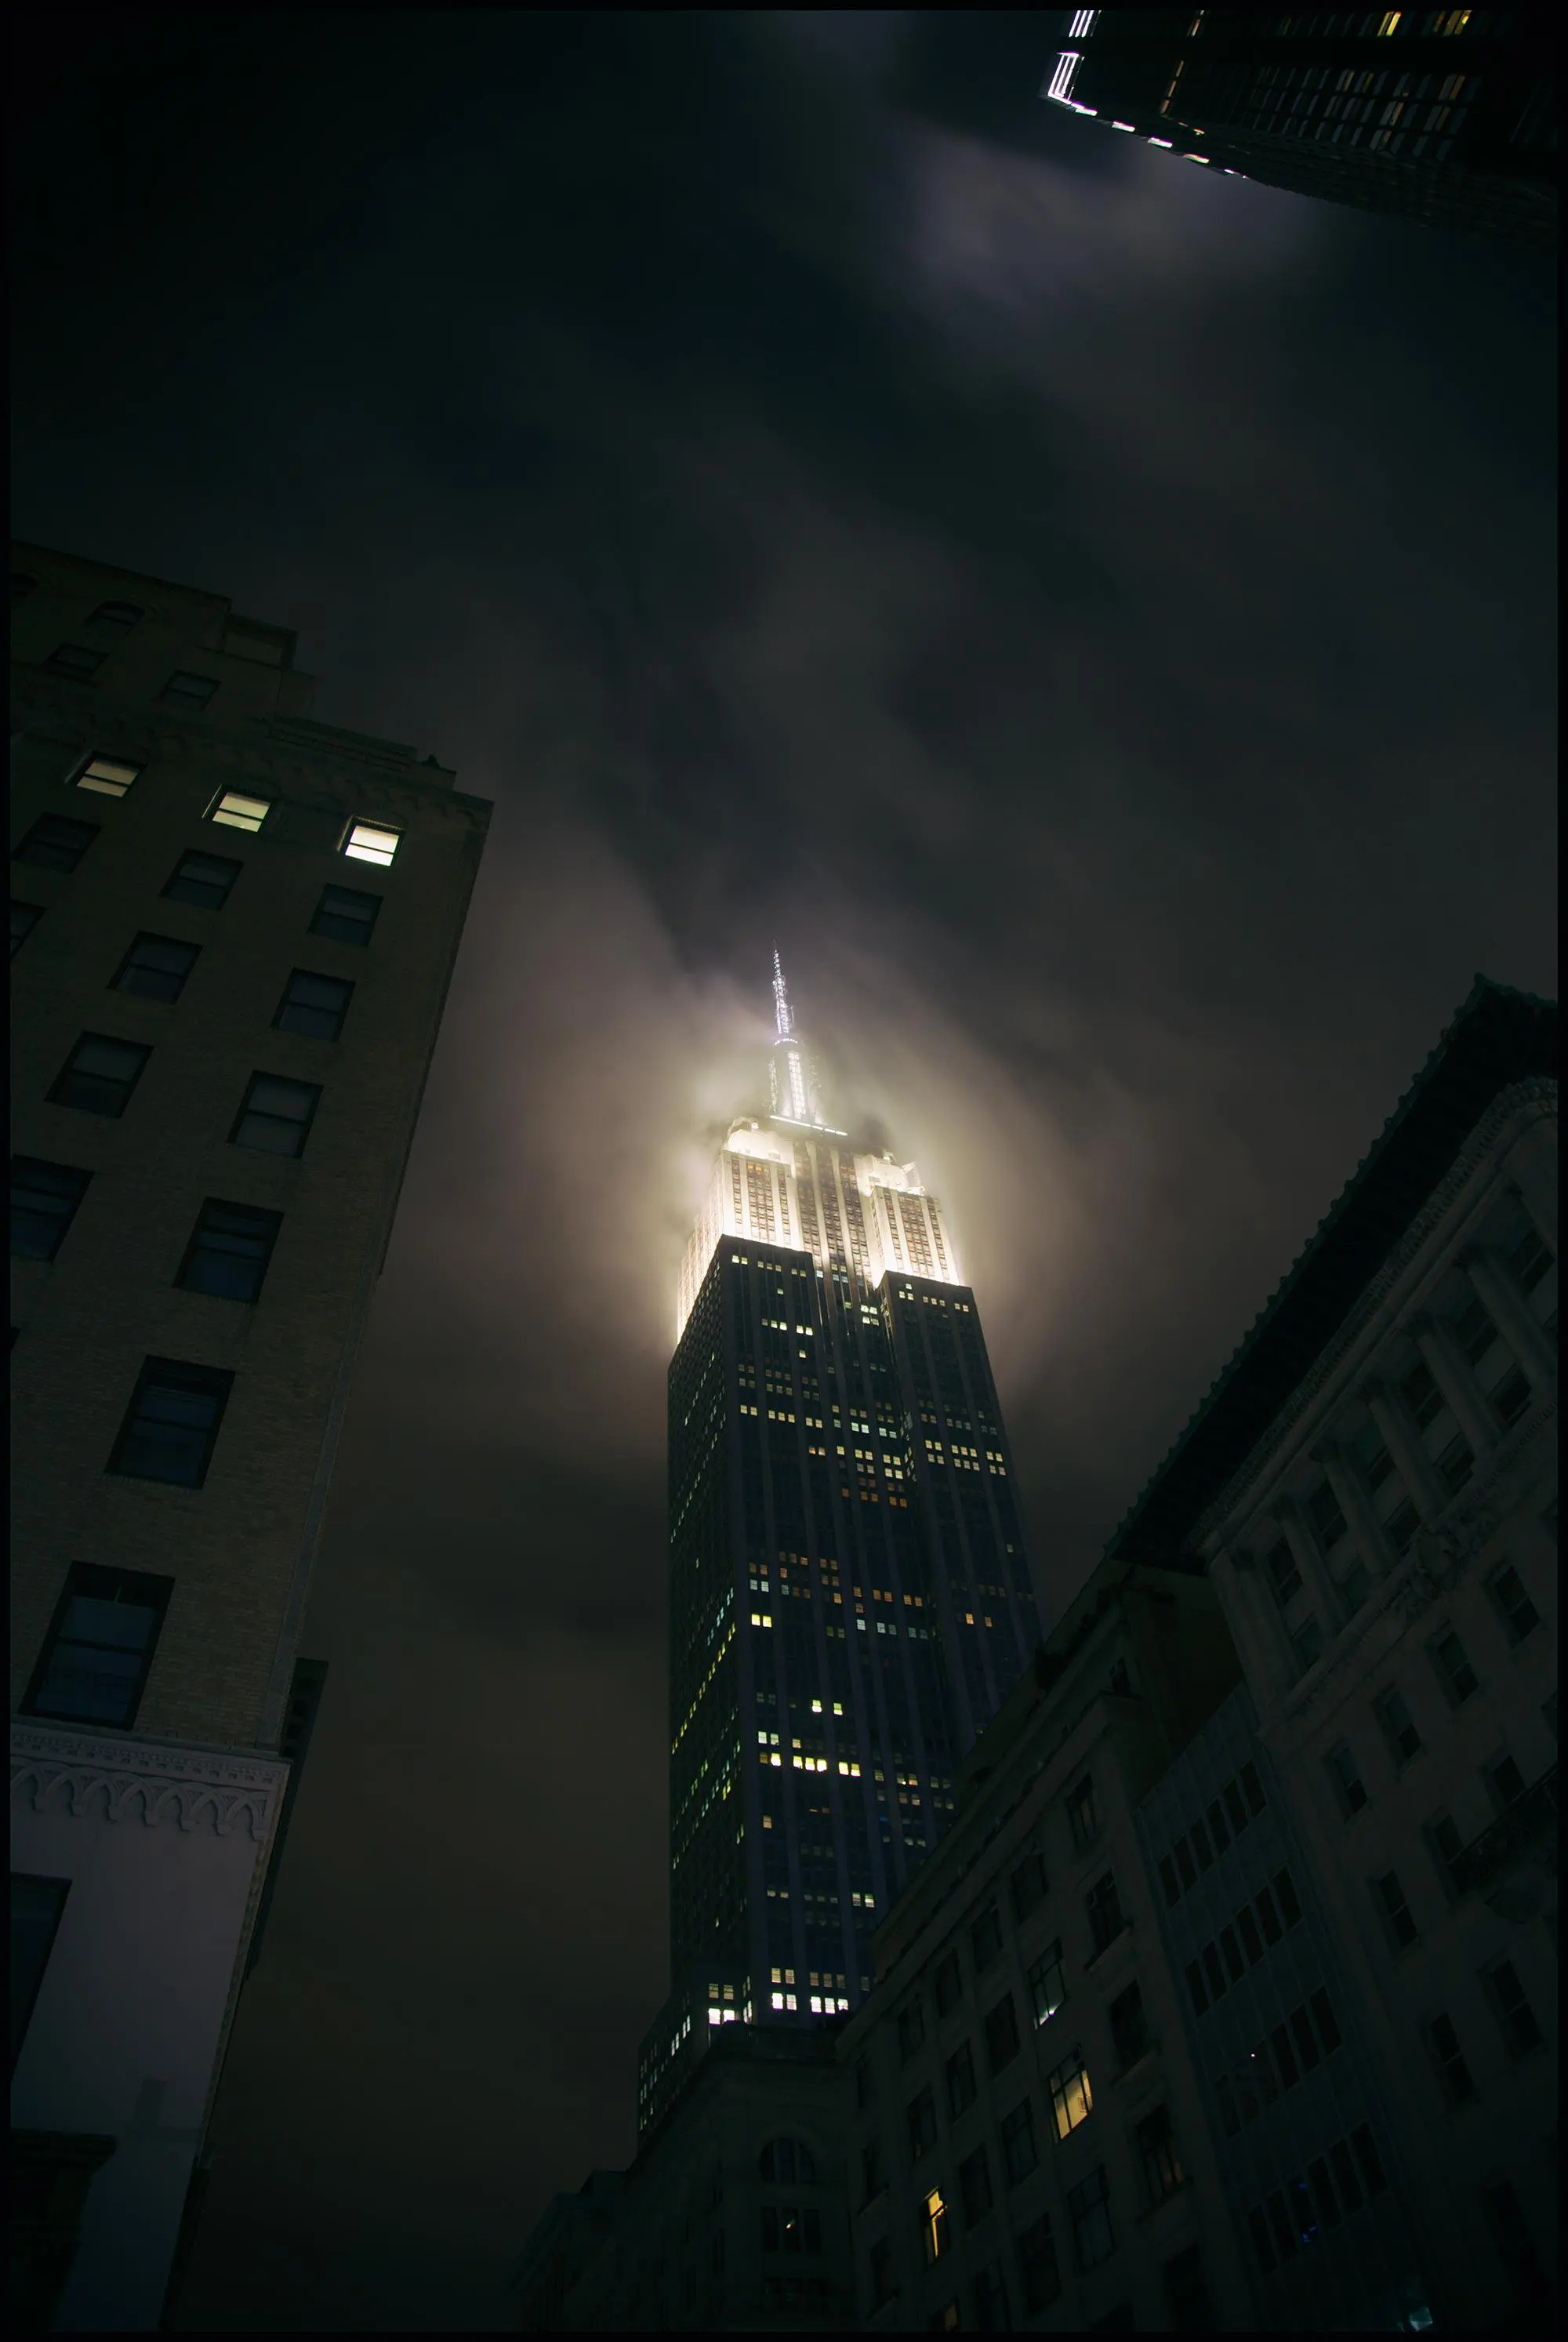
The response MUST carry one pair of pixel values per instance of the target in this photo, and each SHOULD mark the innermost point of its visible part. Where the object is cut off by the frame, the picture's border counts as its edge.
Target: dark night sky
(1097, 619)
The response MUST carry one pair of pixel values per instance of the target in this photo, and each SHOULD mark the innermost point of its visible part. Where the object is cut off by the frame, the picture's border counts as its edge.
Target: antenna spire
(783, 1014)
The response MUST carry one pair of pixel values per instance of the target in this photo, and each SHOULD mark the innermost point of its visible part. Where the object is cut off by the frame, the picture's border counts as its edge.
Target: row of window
(1294, 2217)
(100, 1073)
(204, 881)
(1309, 2034)
(229, 1250)
(156, 966)
(1516, 2020)
(1230, 1813)
(1270, 1916)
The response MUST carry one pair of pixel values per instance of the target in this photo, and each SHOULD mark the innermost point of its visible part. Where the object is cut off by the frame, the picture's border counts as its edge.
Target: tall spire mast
(783, 1014)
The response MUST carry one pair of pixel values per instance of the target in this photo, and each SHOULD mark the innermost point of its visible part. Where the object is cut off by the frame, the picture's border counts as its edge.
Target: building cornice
(87, 1775)
(1523, 1104)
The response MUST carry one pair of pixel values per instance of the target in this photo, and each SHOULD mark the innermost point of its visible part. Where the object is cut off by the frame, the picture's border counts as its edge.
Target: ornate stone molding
(61, 1770)
(1522, 1103)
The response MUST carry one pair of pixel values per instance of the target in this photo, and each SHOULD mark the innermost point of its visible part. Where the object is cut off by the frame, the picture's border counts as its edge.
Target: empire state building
(850, 1594)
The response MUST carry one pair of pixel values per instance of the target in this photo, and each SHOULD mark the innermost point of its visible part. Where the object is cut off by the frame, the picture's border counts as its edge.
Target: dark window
(57, 842)
(1104, 1908)
(1037, 2264)
(1395, 1910)
(1307, 1645)
(202, 879)
(43, 1200)
(1398, 1728)
(230, 1250)
(1162, 2166)
(1506, 1783)
(1324, 1512)
(21, 585)
(1284, 2058)
(1458, 2083)
(1129, 2026)
(788, 2160)
(872, 2177)
(24, 917)
(1368, 2159)
(1254, 1789)
(172, 1422)
(1089, 2210)
(100, 1074)
(1328, 2031)
(1247, 1929)
(1262, 2243)
(991, 2300)
(75, 660)
(100, 1646)
(1187, 2299)
(345, 915)
(1213, 1971)
(1401, 1525)
(1082, 1818)
(1217, 1829)
(949, 1985)
(1027, 1886)
(1168, 1879)
(910, 2029)
(1373, 1457)
(1352, 1590)
(975, 2187)
(1001, 2035)
(1456, 1463)
(865, 2083)
(156, 966)
(1238, 1812)
(881, 2286)
(36, 1907)
(1473, 1330)
(1307, 2049)
(1185, 1863)
(1514, 1608)
(314, 1005)
(1235, 1967)
(1201, 1846)
(961, 2079)
(1510, 2235)
(1454, 1672)
(1195, 1987)
(1019, 2152)
(1511, 1397)
(1263, 1902)
(121, 615)
(1347, 1781)
(1324, 2200)
(1528, 1260)
(191, 691)
(921, 2116)
(1047, 1988)
(985, 1937)
(1422, 1395)
(1283, 1576)
(1518, 2018)
(277, 1115)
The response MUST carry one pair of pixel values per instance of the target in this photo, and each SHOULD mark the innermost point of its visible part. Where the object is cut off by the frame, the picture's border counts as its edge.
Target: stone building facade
(233, 929)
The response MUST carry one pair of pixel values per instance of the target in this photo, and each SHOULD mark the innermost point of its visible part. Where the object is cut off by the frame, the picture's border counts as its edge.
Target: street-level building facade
(232, 933)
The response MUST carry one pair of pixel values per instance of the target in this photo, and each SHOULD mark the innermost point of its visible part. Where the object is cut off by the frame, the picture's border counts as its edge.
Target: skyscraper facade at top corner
(1443, 115)
(850, 1590)
(232, 931)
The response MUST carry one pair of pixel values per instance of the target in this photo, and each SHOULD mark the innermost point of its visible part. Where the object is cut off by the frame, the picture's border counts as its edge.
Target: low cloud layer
(1095, 620)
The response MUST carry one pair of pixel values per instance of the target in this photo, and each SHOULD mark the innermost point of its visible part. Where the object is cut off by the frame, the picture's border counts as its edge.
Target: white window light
(107, 776)
(238, 809)
(372, 841)
(1159, 142)
(1121, 126)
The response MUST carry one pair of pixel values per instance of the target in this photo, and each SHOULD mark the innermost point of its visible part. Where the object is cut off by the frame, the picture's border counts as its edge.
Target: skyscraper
(1447, 115)
(850, 1594)
(232, 929)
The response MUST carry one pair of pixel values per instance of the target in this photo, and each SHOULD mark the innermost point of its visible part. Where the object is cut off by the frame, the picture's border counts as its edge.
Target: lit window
(1072, 2100)
(238, 809)
(933, 2224)
(107, 776)
(372, 841)
(100, 1647)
